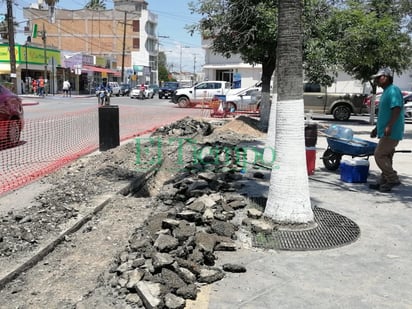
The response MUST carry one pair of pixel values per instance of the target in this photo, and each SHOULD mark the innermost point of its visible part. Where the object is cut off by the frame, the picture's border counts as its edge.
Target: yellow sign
(4, 53)
(100, 62)
(35, 55)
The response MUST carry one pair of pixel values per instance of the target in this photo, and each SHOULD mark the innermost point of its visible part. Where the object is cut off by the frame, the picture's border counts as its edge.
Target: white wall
(404, 82)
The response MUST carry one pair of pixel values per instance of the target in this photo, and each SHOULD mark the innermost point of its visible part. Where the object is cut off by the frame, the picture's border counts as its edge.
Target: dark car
(11, 118)
(167, 89)
(125, 89)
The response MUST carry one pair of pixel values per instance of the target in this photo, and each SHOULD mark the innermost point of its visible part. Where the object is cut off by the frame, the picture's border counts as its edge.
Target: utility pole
(12, 53)
(194, 68)
(43, 37)
(180, 66)
(124, 46)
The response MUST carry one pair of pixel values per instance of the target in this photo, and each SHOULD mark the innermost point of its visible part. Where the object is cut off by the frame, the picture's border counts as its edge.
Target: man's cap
(383, 71)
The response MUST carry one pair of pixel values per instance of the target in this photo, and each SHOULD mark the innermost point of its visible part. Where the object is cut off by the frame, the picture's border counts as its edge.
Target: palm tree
(288, 198)
(96, 5)
(52, 13)
(51, 3)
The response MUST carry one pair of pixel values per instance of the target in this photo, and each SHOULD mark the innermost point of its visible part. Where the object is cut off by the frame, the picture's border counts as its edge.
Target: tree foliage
(96, 5)
(356, 36)
(244, 27)
(162, 67)
(371, 35)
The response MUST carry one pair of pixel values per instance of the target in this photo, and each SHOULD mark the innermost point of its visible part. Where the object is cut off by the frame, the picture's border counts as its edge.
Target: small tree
(245, 27)
(377, 37)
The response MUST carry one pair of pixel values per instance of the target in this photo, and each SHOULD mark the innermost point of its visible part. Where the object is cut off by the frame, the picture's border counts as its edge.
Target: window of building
(136, 26)
(225, 75)
(136, 43)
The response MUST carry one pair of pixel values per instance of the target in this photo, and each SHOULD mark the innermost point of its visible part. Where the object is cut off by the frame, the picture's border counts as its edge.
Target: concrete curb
(30, 103)
(43, 252)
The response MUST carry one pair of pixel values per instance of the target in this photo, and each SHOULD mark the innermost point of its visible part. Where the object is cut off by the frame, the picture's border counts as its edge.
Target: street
(59, 130)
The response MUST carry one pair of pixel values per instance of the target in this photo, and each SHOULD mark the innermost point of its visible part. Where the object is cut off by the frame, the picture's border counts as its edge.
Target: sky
(173, 16)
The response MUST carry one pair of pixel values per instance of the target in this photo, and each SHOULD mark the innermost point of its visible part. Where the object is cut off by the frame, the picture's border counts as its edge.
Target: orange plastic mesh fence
(46, 144)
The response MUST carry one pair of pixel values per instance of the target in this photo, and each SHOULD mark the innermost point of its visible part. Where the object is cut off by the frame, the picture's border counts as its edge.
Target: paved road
(58, 130)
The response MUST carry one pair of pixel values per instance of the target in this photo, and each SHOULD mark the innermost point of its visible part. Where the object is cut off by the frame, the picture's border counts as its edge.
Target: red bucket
(310, 160)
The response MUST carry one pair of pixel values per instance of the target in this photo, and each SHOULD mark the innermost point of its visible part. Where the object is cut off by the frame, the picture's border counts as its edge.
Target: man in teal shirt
(389, 129)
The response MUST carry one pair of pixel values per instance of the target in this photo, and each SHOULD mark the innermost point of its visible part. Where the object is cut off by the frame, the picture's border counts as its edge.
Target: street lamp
(194, 68)
(157, 56)
(180, 66)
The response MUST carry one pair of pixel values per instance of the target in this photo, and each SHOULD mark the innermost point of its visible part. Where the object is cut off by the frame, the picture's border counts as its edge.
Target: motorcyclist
(142, 91)
(104, 86)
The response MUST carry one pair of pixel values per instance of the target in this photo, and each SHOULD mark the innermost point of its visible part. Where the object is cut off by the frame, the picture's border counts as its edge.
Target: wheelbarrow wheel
(331, 159)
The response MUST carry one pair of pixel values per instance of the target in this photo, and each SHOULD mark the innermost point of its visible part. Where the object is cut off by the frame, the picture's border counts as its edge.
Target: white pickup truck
(202, 92)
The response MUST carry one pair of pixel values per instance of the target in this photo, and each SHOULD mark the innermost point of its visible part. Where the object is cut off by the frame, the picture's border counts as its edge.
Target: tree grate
(332, 230)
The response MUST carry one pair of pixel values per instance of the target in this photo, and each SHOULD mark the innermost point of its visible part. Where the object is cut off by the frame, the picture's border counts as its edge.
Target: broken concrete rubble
(179, 243)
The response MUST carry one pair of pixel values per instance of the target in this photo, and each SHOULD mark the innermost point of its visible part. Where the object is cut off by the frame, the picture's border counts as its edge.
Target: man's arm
(395, 112)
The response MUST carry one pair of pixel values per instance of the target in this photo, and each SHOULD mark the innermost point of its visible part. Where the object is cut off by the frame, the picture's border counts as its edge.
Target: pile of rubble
(185, 127)
(197, 213)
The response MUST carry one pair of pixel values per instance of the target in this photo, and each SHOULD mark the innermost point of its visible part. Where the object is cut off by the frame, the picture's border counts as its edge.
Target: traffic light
(34, 31)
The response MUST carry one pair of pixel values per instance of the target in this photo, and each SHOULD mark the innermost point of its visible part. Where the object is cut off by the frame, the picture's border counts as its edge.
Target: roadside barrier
(47, 144)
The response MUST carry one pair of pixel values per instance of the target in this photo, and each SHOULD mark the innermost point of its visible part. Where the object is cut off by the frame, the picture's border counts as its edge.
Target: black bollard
(311, 134)
(109, 136)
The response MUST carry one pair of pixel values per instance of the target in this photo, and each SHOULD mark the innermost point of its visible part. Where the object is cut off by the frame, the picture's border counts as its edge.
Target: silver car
(244, 99)
(408, 105)
(135, 93)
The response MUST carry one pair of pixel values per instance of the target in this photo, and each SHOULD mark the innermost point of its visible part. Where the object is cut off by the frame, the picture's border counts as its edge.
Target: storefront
(84, 72)
(32, 62)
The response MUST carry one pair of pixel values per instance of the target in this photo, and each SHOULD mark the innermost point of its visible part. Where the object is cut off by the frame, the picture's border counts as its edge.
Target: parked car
(149, 93)
(407, 100)
(368, 99)
(341, 105)
(125, 89)
(115, 88)
(200, 93)
(135, 93)
(167, 89)
(245, 99)
(11, 118)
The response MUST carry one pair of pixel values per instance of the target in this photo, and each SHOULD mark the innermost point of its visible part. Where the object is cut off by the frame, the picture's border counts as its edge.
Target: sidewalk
(31, 99)
(373, 272)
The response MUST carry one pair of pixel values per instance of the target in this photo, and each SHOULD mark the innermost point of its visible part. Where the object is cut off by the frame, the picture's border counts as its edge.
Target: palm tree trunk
(288, 198)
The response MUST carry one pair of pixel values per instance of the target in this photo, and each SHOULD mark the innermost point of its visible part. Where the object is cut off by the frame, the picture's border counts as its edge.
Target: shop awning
(98, 69)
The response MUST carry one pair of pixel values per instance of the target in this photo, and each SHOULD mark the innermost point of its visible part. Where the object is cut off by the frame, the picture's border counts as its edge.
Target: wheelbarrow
(337, 147)
(355, 147)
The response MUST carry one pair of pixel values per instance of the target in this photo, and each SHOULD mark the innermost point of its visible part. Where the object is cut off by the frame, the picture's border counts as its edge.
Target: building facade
(124, 36)
(233, 69)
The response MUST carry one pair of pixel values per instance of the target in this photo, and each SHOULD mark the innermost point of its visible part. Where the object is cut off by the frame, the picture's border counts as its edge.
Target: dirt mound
(243, 125)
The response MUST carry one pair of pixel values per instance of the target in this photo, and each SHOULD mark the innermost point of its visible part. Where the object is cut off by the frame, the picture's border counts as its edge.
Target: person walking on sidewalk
(41, 86)
(389, 129)
(66, 87)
